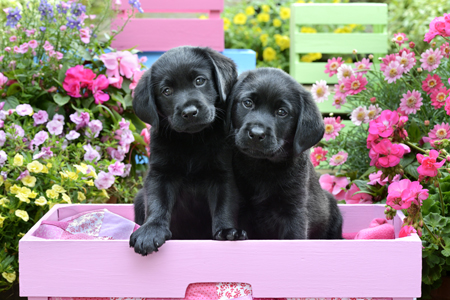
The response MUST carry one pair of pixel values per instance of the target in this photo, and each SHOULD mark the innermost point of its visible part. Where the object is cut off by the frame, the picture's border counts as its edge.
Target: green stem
(438, 242)
(415, 147)
(441, 199)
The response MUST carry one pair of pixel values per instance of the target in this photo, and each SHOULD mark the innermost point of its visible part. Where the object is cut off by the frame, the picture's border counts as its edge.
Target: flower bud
(331, 114)
(370, 56)
(373, 100)
(426, 122)
(433, 44)
(419, 70)
(412, 45)
(421, 223)
(63, 28)
(355, 51)
(3, 95)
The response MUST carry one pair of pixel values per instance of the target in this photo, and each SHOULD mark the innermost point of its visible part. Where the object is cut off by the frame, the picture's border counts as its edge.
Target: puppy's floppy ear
(225, 72)
(144, 101)
(237, 87)
(310, 126)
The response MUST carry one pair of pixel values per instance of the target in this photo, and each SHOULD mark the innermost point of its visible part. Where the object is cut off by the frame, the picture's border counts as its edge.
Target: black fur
(274, 121)
(189, 191)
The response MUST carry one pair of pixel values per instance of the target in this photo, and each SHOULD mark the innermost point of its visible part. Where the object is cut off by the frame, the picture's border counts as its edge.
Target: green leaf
(414, 133)
(412, 171)
(128, 101)
(62, 72)
(407, 159)
(118, 98)
(435, 220)
(13, 89)
(87, 102)
(11, 102)
(369, 171)
(430, 206)
(61, 100)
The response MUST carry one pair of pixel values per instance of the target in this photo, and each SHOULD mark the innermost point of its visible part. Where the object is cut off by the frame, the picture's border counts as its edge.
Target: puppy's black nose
(190, 112)
(256, 134)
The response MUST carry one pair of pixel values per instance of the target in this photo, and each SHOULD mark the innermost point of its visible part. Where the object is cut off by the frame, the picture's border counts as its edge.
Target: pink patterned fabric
(379, 229)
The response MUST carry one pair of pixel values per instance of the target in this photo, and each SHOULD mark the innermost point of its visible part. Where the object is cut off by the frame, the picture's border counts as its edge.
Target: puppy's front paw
(230, 234)
(148, 238)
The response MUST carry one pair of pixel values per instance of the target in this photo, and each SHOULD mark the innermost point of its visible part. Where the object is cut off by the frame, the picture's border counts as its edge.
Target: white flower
(359, 115)
(320, 91)
(344, 71)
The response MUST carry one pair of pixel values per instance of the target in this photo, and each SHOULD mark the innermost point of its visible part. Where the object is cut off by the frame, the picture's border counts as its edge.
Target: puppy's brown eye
(200, 81)
(282, 112)
(167, 92)
(247, 103)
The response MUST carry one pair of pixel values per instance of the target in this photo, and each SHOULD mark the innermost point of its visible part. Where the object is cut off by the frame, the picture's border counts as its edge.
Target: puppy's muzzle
(190, 113)
(256, 134)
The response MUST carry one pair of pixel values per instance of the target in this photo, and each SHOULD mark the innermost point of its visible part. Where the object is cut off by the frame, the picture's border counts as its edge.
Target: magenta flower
(335, 185)
(55, 127)
(91, 154)
(99, 84)
(385, 124)
(318, 155)
(116, 82)
(72, 135)
(385, 154)
(387, 60)
(40, 138)
(399, 38)
(85, 35)
(393, 72)
(411, 102)
(359, 116)
(355, 84)
(406, 231)
(81, 119)
(428, 164)
(3, 80)
(95, 126)
(363, 66)
(116, 168)
(145, 133)
(339, 159)
(407, 60)
(398, 194)
(40, 117)
(24, 110)
(332, 65)
(431, 82)
(48, 46)
(438, 97)
(120, 63)
(360, 198)
(416, 194)
(320, 91)
(431, 59)
(332, 127)
(104, 180)
(447, 105)
(376, 178)
(439, 26)
(339, 88)
(33, 44)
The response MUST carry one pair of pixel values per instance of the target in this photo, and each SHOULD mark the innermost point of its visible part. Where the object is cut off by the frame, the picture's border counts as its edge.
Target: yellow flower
(35, 167)
(276, 22)
(226, 23)
(24, 190)
(258, 29)
(72, 175)
(346, 29)
(249, 11)
(263, 38)
(20, 234)
(32, 195)
(263, 17)
(306, 29)
(349, 60)
(336, 1)
(310, 57)
(285, 13)
(105, 194)
(64, 174)
(22, 214)
(18, 160)
(10, 277)
(283, 42)
(203, 17)
(3, 201)
(265, 8)
(81, 196)
(240, 19)
(14, 189)
(57, 188)
(52, 194)
(66, 198)
(29, 180)
(269, 54)
(22, 197)
(90, 182)
(7, 186)
(300, 1)
(44, 170)
(49, 165)
(92, 174)
(41, 201)
(1, 220)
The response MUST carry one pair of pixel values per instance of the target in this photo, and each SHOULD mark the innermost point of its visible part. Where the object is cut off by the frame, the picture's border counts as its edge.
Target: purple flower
(104, 180)
(77, 9)
(46, 10)
(2, 115)
(116, 168)
(2, 138)
(13, 16)
(40, 117)
(80, 119)
(126, 171)
(3, 157)
(2, 123)
(118, 154)
(4, 174)
(136, 4)
(58, 117)
(95, 126)
(24, 109)
(40, 138)
(73, 22)
(55, 127)
(91, 153)
(23, 174)
(42, 28)
(72, 135)
(126, 137)
(62, 7)
(124, 124)
(2, 104)
(45, 153)
(18, 131)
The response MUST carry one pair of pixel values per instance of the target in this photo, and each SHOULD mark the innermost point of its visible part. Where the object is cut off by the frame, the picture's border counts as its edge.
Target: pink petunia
(320, 91)
(40, 117)
(335, 185)
(407, 60)
(332, 65)
(338, 101)
(385, 154)
(85, 35)
(355, 84)
(116, 168)
(393, 72)
(72, 135)
(332, 127)
(406, 231)
(97, 87)
(428, 164)
(59, 118)
(438, 97)
(385, 124)
(359, 116)
(81, 119)
(40, 138)
(399, 38)
(48, 46)
(411, 102)
(55, 127)
(339, 158)
(431, 82)
(317, 155)
(344, 71)
(360, 198)
(104, 180)
(120, 63)
(431, 59)
(363, 66)
(24, 110)
(91, 154)
(95, 126)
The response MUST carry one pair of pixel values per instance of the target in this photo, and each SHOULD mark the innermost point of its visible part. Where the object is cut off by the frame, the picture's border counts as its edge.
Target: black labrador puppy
(274, 121)
(189, 191)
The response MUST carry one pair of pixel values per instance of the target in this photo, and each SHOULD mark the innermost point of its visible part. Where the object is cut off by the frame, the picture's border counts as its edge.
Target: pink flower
(12, 39)
(118, 153)
(40, 117)
(17, 131)
(359, 116)
(72, 135)
(431, 59)
(334, 185)
(99, 84)
(91, 154)
(373, 112)
(393, 72)
(407, 60)
(332, 66)
(48, 46)
(399, 38)
(344, 71)
(3, 80)
(55, 127)
(339, 88)
(387, 60)
(136, 77)
(124, 124)
(406, 231)
(411, 102)
(40, 138)
(445, 50)
(431, 82)
(120, 63)
(363, 66)
(59, 118)
(145, 133)
(416, 194)
(8, 49)
(104, 180)
(30, 32)
(332, 127)
(439, 26)
(361, 198)
(81, 119)
(355, 84)
(33, 44)
(438, 97)
(3, 158)
(59, 55)
(398, 194)
(24, 110)
(116, 82)
(116, 168)
(85, 35)
(318, 155)
(428, 164)
(63, 28)
(376, 178)
(143, 59)
(384, 124)
(2, 138)
(339, 100)
(339, 159)
(95, 127)
(447, 105)
(386, 154)
(320, 91)
(24, 48)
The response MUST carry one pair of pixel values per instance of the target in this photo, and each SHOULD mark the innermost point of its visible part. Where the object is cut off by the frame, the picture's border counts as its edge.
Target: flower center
(393, 72)
(334, 66)
(361, 66)
(371, 114)
(337, 101)
(361, 115)
(440, 97)
(338, 158)
(346, 73)
(318, 156)
(431, 59)
(355, 85)
(320, 92)
(403, 61)
(399, 38)
(342, 88)
(411, 101)
(441, 133)
(329, 128)
(431, 83)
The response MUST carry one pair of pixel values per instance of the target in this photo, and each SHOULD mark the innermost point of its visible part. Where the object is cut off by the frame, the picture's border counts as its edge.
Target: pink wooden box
(275, 269)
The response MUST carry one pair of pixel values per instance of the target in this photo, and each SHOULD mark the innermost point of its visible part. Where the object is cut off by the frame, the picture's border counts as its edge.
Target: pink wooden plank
(164, 34)
(274, 268)
(176, 5)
